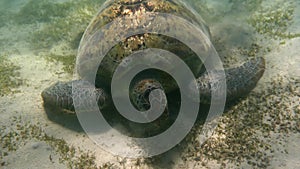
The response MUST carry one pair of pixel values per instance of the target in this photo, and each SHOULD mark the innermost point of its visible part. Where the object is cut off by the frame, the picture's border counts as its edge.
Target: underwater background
(38, 46)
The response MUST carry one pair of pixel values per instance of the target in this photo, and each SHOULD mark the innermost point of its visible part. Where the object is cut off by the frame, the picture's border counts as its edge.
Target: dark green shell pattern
(111, 11)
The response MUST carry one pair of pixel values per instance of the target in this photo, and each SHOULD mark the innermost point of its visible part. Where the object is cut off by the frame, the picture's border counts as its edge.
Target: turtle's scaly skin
(240, 80)
(60, 94)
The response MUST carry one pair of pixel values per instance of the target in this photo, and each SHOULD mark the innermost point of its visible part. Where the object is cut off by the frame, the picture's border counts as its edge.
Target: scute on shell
(94, 43)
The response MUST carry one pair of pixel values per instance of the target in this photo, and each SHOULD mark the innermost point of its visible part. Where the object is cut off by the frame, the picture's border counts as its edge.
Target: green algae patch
(68, 61)
(67, 26)
(273, 21)
(10, 76)
(212, 12)
(245, 134)
(20, 132)
(248, 5)
(4, 18)
(41, 11)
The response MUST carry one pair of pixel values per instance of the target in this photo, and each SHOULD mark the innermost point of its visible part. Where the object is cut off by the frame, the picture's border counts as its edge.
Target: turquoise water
(38, 46)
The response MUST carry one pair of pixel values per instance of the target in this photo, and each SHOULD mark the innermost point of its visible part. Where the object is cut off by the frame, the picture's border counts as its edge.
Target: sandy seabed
(282, 62)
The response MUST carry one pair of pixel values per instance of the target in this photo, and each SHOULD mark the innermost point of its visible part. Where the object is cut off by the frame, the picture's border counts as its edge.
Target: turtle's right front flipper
(239, 80)
(60, 95)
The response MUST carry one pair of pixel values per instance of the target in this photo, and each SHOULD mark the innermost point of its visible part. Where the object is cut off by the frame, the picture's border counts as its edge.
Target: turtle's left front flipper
(60, 94)
(239, 80)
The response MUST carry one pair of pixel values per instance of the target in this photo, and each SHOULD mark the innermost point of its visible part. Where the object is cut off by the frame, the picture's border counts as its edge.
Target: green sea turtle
(240, 80)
